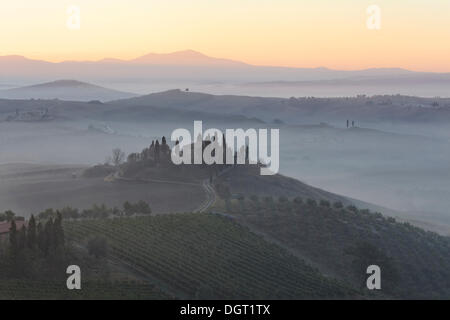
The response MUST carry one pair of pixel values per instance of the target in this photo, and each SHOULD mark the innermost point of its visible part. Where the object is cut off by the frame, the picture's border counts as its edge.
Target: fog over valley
(395, 155)
(229, 157)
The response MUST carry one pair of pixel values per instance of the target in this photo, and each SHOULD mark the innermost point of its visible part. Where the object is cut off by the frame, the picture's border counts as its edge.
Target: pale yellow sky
(414, 34)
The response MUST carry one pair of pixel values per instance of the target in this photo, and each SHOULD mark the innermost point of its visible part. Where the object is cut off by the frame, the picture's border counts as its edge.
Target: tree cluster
(45, 237)
(35, 249)
(99, 211)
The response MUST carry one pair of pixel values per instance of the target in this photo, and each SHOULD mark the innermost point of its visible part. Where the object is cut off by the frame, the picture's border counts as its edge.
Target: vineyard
(207, 256)
(24, 289)
(327, 235)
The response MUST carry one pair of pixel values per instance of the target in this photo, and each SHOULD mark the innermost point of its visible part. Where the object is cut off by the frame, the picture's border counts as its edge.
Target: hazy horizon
(270, 33)
(224, 150)
(152, 73)
(189, 55)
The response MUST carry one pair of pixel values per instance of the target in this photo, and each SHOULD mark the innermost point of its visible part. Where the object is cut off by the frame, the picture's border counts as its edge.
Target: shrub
(48, 213)
(298, 200)
(223, 191)
(391, 220)
(98, 171)
(268, 199)
(70, 213)
(338, 205)
(142, 207)
(324, 203)
(98, 247)
(128, 208)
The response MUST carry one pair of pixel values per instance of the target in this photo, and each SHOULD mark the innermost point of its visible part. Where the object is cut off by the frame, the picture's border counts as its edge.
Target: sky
(413, 34)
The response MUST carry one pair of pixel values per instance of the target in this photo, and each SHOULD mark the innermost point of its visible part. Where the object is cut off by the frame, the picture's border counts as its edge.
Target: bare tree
(118, 156)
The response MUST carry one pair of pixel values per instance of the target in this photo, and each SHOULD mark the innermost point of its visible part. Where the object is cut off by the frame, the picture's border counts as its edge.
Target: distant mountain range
(15, 65)
(157, 72)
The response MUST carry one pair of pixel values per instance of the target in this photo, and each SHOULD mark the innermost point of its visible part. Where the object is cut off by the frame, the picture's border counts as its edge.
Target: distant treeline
(96, 211)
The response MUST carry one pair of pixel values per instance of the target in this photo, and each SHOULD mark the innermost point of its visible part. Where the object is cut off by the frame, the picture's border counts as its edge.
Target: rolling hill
(188, 68)
(65, 90)
(368, 109)
(343, 241)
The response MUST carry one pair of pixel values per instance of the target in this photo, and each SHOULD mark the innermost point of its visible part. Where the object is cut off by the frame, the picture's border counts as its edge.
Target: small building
(6, 225)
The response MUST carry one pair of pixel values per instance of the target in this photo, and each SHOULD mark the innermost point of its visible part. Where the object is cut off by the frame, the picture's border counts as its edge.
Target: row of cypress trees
(43, 237)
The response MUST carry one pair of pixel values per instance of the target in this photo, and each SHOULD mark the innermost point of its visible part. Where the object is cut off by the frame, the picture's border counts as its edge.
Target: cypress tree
(13, 238)
(48, 236)
(157, 151)
(22, 239)
(31, 237)
(224, 149)
(247, 155)
(40, 237)
(58, 231)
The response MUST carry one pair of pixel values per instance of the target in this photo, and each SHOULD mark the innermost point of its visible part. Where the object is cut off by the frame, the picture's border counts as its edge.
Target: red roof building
(5, 226)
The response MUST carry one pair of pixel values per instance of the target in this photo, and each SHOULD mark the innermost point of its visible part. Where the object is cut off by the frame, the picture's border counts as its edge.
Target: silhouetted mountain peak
(184, 57)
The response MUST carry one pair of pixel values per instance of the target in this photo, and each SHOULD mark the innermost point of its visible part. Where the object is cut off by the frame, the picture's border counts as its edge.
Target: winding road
(211, 195)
